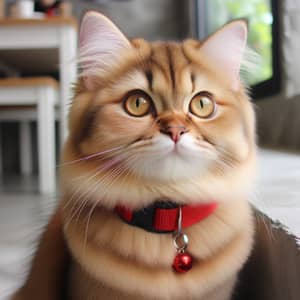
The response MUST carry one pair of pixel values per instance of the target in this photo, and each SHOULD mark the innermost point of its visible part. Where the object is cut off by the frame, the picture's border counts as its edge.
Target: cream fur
(112, 260)
(128, 260)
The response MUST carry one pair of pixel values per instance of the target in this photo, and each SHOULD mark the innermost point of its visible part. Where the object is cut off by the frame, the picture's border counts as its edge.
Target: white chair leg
(25, 148)
(46, 140)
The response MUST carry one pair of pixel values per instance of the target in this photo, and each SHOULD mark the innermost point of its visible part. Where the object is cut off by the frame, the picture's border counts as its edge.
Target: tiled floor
(23, 212)
(278, 190)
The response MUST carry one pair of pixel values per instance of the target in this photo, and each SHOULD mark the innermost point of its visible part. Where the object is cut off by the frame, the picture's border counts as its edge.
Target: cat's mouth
(168, 146)
(162, 159)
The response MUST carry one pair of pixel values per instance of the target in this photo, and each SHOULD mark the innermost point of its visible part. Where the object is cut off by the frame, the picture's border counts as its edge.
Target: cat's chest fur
(118, 261)
(83, 287)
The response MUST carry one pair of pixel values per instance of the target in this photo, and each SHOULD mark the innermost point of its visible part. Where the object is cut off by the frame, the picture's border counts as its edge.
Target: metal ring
(181, 241)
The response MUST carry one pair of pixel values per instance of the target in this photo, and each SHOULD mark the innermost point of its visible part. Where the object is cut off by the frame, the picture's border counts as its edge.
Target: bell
(182, 263)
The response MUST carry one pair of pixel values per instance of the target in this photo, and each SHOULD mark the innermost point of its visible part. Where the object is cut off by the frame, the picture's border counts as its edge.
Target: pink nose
(175, 132)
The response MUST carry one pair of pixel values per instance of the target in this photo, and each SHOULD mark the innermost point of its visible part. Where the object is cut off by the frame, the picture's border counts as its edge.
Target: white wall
(150, 19)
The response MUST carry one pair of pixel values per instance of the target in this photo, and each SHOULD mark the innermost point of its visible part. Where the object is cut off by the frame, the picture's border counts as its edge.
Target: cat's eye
(137, 104)
(203, 105)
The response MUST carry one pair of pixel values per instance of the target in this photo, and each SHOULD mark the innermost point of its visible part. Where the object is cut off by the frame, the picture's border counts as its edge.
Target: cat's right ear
(226, 48)
(100, 45)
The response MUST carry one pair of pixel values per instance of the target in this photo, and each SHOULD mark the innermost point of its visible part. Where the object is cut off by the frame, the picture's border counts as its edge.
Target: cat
(154, 128)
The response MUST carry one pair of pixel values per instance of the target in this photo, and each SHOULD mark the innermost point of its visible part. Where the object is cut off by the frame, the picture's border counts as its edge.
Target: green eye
(137, 104)
(202, 105)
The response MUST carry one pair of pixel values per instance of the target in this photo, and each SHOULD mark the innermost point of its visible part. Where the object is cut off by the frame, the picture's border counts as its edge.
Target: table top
(47, 21)
(29, 81)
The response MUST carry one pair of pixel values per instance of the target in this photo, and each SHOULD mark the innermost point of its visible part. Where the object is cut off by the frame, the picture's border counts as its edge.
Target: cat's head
(159, 120)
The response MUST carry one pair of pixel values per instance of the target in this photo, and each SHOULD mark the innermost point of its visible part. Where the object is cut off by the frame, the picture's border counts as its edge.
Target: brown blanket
(273, 270)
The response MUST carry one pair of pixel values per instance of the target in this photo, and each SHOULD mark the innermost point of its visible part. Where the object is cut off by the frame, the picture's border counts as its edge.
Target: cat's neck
(101, 242)
(166, 216)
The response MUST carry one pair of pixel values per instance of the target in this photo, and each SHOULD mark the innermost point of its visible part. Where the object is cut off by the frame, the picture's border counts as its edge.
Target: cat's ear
(100, 45)
(225, 48)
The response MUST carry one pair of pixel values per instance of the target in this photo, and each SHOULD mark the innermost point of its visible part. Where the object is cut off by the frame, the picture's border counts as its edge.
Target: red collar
(162, 217)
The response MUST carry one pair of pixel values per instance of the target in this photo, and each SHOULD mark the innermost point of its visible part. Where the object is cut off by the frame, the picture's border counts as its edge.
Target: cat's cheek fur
(116, 129)
(229, 135)
(134, 193)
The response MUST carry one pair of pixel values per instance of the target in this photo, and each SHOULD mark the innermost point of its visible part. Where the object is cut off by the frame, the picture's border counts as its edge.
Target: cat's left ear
(225, 48)
(101, 45)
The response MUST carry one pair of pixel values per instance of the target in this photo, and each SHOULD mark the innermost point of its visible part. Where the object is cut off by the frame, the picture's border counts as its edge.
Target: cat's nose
(174, 131)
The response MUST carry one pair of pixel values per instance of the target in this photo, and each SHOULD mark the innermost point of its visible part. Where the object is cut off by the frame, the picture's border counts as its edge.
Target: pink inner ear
(100, 43)
(226, 48)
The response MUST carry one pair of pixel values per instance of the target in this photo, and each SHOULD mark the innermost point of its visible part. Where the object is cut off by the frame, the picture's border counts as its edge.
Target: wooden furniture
(43, 34)
(40, 46)
(26, 99)
(2, 8)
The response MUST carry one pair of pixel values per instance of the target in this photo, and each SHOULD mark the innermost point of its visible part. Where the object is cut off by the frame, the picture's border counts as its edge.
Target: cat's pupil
(201, 103)
(138, 102)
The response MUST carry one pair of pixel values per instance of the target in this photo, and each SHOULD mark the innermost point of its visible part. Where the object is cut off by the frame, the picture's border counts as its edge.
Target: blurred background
(38, 41)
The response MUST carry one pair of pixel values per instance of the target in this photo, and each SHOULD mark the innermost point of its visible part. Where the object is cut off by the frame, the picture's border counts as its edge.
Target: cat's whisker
(110, 176)
(104, 167)
(97, 154)
(84, 204)
(87, 180)
(128, 171)
(79, 178)
(78, 209)
(118, 172)
(87, 225)
(227, 157)
(226, 163)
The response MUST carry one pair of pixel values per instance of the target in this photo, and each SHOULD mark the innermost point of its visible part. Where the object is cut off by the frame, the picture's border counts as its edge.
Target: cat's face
(159, 113)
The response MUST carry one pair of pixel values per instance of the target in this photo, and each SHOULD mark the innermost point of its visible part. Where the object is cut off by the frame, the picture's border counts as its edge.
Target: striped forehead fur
(164, 57)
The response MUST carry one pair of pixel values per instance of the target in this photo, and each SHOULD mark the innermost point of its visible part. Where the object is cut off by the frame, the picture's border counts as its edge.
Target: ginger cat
(154, 128)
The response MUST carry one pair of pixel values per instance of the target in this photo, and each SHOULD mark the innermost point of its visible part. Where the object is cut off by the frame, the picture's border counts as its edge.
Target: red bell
(182, 263)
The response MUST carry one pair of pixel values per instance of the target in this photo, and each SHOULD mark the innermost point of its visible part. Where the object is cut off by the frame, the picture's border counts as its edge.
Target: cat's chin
(172, 168)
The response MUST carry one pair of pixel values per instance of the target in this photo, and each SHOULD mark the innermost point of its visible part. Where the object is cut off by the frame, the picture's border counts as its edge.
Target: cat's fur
(113, 260)
(215, 162)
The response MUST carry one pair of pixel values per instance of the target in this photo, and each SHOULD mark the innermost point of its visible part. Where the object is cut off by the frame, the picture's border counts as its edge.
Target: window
(263, 35)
